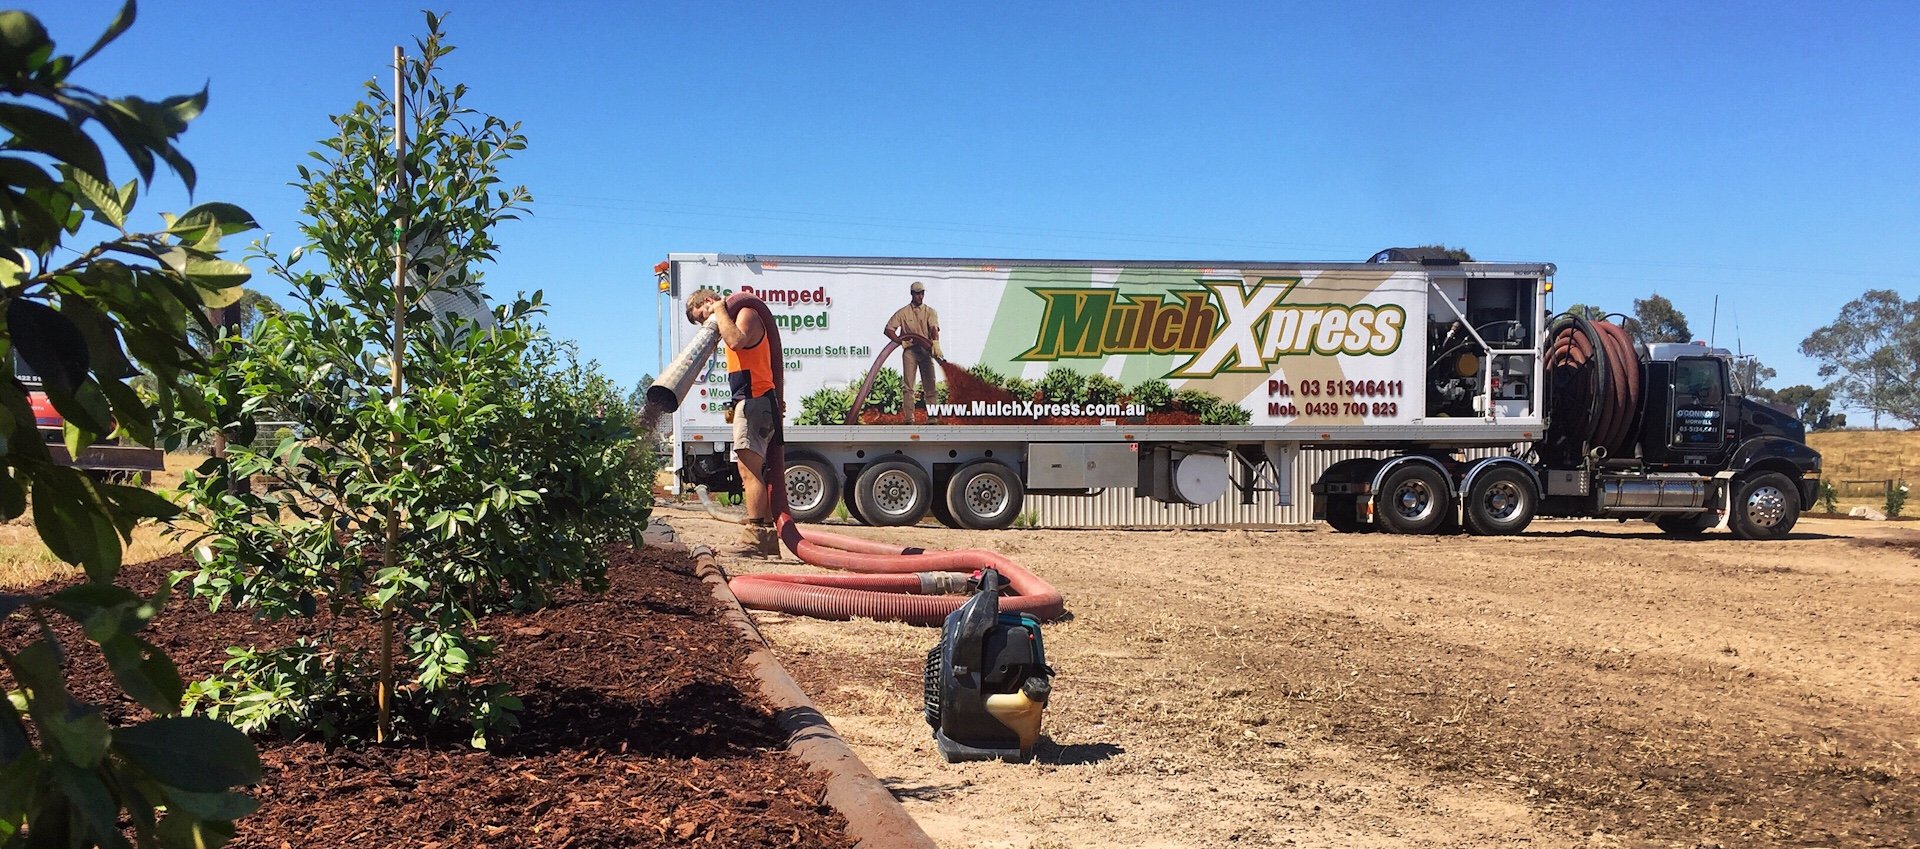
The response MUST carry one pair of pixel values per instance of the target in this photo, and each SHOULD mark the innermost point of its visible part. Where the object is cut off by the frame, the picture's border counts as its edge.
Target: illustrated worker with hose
(753, 413)
(917, 328)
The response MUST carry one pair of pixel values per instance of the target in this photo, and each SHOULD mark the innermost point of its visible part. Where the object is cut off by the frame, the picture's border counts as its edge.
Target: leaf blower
(987, 681)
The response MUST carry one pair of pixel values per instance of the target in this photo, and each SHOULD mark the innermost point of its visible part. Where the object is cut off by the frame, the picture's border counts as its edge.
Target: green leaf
(81, 737)
(193, 753)
(97, 195)
(68, 524)
(52, 135)
(13, 735)
(145, 673)
(50, 343)
(18, 780)
(121, 22)
(99, 814)
(22, 38)
(211, 806)
(144, 503)
(225, 219)
(177, 832)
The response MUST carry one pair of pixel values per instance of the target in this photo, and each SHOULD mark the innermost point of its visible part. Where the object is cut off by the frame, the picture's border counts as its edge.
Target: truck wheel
(812, 488)
(1343, 516)
(1413, 500)
(1500, 502)
(1691, 525)
(1764, 507)
(985, 496)
(892, 493)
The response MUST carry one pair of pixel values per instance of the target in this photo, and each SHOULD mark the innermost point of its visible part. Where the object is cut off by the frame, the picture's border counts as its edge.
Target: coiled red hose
(1596, 380)
(890, 587)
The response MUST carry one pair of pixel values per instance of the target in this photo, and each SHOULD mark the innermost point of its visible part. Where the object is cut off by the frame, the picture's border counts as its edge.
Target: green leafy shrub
(884, 397)
(81, 317)
(1063, 385)
(500, 466)
(1223, 413)
(1829, 497)
(1154, 394)
(1102, 389)
(1020, 388)
(1896, 499)
(827, 406)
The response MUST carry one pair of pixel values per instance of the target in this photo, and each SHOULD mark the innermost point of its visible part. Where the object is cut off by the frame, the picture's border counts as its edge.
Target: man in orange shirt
(754, 414)
(909, 325)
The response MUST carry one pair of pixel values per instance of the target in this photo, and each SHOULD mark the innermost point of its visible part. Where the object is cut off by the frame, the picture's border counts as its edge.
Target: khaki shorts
(753, 426)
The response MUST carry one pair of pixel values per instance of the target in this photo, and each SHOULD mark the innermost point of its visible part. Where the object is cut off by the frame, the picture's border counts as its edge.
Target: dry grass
(25, 560)
(1867, 457)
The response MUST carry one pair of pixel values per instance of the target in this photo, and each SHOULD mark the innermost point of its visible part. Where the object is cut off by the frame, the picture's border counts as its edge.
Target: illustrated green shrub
(81, 317)
(1154, 394)
(1102, 389)
(827, 406)
(988, 376)
(1224, 413)
(1020, 388)
(499, 468)
(1063, 385)
(884, 397)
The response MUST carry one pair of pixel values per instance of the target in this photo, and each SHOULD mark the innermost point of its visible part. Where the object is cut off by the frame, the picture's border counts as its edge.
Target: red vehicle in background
(107, 459)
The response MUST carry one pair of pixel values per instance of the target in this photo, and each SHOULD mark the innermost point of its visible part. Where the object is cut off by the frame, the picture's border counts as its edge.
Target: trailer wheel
(1500, 502)
(892, 492)
(985, 496)
(1412, 500)
(812, 488)
(1764, 507)
(1343, 515)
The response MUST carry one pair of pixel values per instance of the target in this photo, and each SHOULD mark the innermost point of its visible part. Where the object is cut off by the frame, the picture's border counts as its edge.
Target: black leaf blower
(987, 681)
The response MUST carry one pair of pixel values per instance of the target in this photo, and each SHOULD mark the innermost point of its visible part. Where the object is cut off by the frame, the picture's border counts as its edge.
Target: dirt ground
(1586, 684)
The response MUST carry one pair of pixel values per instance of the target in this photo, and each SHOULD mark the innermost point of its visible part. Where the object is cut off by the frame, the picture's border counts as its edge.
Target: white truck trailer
(1189, 382)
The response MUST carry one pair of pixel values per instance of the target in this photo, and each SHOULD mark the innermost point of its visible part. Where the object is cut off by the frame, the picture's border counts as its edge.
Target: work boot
(757, 539)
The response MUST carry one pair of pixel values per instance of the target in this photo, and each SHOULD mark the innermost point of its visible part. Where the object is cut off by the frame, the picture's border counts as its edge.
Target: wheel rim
(1413, 500)
(1503, 501)
(1766, 506)
(894, 492)
(805, 488)
(987, 496)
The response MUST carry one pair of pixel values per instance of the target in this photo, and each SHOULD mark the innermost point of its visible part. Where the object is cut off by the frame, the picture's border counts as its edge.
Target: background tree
(1587, 311)
(1871, 353)
(1750, 376)
(1451, 253)
(1813, 407)
(81, 318)
(1655, 319)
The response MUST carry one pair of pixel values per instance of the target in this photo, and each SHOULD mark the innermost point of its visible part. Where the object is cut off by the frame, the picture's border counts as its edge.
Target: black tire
(1765, 506)
(1342, 515)
(893, 492)
(1687, 526)
(1414, 499)
(813, 488)
(938, 507)
(846, 497)
(985, 496)
(1500, 502)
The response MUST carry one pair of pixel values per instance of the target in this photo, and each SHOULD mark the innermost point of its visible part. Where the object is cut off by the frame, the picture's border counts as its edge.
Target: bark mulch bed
(641, 728)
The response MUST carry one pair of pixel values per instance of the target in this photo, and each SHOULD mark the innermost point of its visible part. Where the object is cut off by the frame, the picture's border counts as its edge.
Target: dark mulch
(641, 728)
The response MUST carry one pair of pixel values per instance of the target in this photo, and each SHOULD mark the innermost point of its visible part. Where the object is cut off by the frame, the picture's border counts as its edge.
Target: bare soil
(1585, 684)
(641, 728)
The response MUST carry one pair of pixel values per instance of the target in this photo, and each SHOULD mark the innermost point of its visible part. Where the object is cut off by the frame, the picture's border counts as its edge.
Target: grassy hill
(1860, 462)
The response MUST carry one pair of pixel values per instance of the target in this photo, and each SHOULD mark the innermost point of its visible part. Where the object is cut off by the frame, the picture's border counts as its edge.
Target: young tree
(1871, 352)
(493, 465)
(1655, 319)
(81, 318)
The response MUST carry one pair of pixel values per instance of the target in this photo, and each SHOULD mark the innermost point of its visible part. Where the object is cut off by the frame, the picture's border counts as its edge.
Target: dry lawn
(25, 560)
(1586, 684)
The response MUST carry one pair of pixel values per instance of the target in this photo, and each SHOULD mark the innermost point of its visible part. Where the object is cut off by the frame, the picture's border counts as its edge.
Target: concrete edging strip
(875, 819)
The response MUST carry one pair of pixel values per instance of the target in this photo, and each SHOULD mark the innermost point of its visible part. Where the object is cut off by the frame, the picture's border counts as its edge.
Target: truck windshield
(1696, 382)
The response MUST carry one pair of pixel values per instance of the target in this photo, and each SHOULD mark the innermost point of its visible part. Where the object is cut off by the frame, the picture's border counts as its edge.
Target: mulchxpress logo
(1225, 327)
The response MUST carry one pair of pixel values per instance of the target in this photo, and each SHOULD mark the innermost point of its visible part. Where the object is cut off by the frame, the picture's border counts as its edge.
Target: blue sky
(1764, 153)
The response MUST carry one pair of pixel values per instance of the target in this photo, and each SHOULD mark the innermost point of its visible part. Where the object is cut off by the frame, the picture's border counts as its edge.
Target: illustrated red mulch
(641, 728)
(964, 388)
